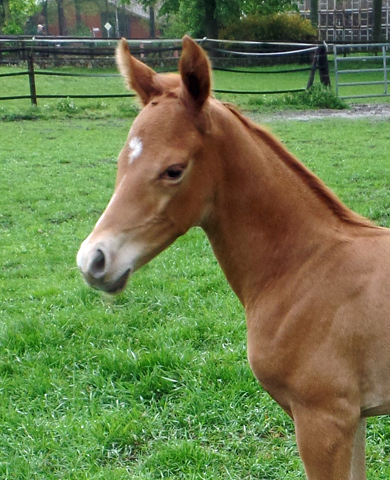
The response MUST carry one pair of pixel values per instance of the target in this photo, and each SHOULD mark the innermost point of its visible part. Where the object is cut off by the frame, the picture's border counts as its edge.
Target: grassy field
(49, 85)
(153, 383)
(103, 108)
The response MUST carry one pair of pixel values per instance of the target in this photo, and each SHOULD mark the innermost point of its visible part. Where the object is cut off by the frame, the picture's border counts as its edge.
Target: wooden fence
(225, 55)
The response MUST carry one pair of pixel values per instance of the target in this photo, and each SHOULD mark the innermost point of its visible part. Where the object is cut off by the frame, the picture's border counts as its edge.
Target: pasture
(153, 383)
(272, 80)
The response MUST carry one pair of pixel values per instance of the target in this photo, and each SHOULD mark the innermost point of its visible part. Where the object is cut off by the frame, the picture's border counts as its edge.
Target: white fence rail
(371, 60)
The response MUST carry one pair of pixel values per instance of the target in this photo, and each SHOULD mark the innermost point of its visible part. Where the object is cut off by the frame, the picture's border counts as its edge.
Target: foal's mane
(312, 181)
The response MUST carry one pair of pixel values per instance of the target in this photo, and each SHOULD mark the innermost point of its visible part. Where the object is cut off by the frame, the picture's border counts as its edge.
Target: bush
(282, 27)
(66, 105)
(318, 96)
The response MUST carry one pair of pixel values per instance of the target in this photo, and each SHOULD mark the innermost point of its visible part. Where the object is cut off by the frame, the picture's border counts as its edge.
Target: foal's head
(163, 184)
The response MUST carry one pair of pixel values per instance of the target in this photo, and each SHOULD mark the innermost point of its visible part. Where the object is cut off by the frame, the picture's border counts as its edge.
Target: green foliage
(318, 96)
(80, 31)
(179, 17)
(276, 27)
(66, 105)
(254, 7)
(192, 17)
(186, 18)
(14, 14)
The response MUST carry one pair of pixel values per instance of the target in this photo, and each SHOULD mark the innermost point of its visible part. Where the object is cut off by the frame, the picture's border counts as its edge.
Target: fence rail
(19, 47)
(359, 59)
(264, 54)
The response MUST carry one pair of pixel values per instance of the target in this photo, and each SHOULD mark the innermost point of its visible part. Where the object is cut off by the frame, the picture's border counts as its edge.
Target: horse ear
(138, 76)
(195, 71)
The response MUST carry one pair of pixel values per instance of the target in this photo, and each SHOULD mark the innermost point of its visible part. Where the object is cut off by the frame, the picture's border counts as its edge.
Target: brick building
(347, 20)
(130, 21)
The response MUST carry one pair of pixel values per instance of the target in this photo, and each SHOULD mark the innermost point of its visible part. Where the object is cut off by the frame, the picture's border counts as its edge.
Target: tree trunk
(152, 23)
(211, 23)
(377, 20)
(77, 8)
(61, 18)
(4, 12)
(44, 13)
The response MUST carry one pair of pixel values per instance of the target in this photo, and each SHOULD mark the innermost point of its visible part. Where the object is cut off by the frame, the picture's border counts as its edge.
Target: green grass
(103, 108)
(153, 383)
(55, 85)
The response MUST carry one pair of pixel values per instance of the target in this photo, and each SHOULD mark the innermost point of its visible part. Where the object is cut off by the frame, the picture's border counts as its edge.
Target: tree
(150, 6)
(77, 8)
(61, 18)
(14, 14)
(152, 22)
(206, 17)
(254, 7)
(200, 18)
(197, 17)
(44, 4)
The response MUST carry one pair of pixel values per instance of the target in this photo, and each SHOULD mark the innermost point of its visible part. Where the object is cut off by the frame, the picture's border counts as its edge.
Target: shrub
(66, 105)
(318, 96)
(282, 27)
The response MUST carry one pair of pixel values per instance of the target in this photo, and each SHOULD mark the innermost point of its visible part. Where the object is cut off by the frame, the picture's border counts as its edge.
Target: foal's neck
(270, 214)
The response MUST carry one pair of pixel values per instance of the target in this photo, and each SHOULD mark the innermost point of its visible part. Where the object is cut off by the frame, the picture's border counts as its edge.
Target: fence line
(100, 48)
(35, 96)
(31, 72)
(236, 70)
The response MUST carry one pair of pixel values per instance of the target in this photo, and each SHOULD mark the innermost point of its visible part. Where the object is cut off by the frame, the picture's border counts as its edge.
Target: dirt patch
(358, 110)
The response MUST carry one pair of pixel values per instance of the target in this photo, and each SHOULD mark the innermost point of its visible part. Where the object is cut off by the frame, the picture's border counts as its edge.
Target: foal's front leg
(326, 444)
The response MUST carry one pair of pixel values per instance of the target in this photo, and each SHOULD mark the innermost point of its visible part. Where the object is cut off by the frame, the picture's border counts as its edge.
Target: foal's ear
(195, 71)
(138, 76)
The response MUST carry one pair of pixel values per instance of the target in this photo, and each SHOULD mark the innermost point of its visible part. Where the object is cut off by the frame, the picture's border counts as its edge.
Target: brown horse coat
(313, 276)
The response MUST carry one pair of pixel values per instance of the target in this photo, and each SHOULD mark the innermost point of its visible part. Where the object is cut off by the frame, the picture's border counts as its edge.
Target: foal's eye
(174, 172)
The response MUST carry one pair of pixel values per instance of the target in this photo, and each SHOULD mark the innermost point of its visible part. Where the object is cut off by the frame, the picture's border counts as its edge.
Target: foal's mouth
(119, 284)
(113, 288)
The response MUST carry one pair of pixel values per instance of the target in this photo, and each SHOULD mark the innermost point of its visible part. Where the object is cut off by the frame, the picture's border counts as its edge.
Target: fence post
(336, 69)
(23, 50)
(384, 69)
(323, 66)
(314, 66)
(31, 79)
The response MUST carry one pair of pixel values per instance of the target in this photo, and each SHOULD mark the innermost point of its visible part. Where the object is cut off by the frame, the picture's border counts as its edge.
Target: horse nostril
(98, 264)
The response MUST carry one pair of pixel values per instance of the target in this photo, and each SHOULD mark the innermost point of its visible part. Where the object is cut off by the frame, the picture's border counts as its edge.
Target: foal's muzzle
(96, 266)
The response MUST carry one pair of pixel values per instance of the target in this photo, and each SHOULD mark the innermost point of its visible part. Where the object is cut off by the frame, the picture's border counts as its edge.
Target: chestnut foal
(313, 276)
